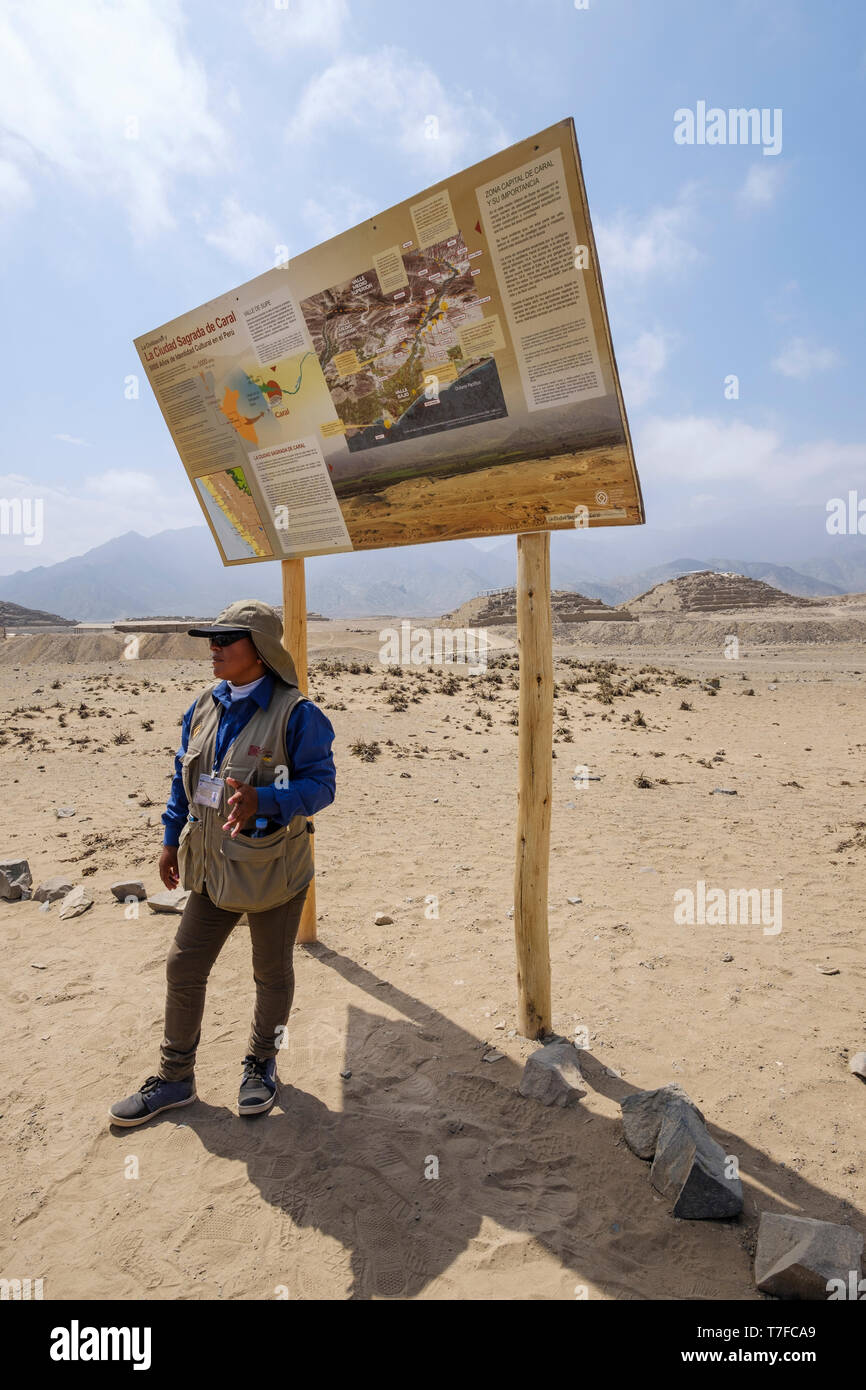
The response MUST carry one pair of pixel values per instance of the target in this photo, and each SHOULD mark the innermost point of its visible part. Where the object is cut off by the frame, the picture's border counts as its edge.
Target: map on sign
(443, 370)
(389, 357)
(229, 503)
(254, 400)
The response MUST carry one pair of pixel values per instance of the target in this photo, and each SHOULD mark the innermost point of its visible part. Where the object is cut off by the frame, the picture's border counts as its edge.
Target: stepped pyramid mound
(13, 615)
(500, 606)
(707, 591)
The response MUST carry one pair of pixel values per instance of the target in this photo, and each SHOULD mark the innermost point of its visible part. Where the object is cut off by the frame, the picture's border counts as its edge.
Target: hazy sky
(153, 154)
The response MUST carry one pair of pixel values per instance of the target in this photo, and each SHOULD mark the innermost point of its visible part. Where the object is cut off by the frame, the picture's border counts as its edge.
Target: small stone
(129, 888)
(345, 1074)
(15, 879)
(827, 969)
(502, 1025)
(552, 1075)
(382, 920)
(642, 1115)
(727, 956)
(62, 811)
(689, 1168)
(797, 1257)
(575, 901)
(35, 965)
(76, 902)
(53, 888)
(723, 791)
(493, 1056)
(173, 900)
(857, 1065)
(45, 907)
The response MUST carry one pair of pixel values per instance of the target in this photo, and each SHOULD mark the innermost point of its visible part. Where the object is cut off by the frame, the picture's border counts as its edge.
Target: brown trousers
(203, 931)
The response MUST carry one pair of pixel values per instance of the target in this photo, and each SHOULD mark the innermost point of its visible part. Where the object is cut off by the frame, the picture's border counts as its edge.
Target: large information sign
(443, 370)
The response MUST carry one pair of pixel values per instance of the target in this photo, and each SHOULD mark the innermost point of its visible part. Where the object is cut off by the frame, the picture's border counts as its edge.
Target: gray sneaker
(258, 1085)
(155, 1096)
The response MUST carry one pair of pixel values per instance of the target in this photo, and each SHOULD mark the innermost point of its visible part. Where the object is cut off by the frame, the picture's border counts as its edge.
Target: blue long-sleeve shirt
(309, 735)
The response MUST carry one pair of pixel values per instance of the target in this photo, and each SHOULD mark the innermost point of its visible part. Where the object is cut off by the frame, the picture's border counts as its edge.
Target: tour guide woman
(254, 762)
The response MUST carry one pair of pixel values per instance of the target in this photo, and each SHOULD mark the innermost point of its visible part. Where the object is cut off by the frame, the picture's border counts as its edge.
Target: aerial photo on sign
(444, 370)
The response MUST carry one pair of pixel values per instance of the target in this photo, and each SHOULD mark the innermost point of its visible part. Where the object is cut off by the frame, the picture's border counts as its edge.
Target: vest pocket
(190, 856)
(254, 873)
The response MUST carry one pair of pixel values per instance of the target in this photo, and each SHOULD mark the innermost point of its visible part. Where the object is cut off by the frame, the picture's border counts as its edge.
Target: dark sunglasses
(225, 639)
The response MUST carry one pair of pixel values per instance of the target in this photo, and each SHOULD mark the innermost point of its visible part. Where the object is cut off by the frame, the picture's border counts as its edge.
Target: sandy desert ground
(326, 1197)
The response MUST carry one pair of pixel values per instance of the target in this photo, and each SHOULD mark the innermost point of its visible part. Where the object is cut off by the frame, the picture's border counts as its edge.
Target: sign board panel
(443, 370)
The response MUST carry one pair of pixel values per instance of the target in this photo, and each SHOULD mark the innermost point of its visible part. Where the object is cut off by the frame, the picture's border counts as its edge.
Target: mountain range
(179, 572)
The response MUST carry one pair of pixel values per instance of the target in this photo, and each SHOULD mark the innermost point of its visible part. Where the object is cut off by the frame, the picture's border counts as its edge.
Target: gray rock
(129, 888)
(382, 920)
(61, 811)
(53, 888)
(173, 900)
(552, 1075)
(76, 902)
(15, 879)
(689, 1168)
(797, 1256)
(858, 1064)
(642, 1114)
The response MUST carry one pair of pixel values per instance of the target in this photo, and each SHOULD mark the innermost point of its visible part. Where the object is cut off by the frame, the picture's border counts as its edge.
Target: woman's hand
(244, 805)
(168, 870)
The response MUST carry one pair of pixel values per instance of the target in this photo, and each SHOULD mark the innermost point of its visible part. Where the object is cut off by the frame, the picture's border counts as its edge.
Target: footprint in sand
(379, 1247)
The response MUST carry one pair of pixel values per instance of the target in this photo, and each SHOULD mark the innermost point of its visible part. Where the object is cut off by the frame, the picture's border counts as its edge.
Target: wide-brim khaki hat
(265, 629)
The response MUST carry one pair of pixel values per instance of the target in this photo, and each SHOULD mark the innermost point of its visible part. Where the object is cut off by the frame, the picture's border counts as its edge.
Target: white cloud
(295, 24)
(400, 103)
(697, 450)
(800, 359)
(337, 211)
(640, 366)
(763, 182)
(15, 191)
(244, 236)
(109, 96)
(105, 505)
(69, 439)
(636, 248)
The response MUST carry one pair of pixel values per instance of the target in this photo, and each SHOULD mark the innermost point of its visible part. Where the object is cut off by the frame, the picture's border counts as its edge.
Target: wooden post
(535, 788)
(295, 642)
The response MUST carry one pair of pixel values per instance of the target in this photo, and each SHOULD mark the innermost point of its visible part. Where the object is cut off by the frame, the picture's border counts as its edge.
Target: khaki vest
(242, 874)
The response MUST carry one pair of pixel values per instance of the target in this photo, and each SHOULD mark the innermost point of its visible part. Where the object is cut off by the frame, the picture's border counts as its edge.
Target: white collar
(240, 692)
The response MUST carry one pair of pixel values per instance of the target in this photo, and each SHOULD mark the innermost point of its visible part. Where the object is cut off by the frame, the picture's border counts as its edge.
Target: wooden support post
(295, 642)
(535, 788)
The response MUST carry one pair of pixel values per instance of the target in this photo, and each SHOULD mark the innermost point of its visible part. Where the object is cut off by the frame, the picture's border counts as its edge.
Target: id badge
(209, 791)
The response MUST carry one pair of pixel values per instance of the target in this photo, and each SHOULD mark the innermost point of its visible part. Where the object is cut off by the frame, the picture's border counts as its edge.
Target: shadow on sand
(565, 1178)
